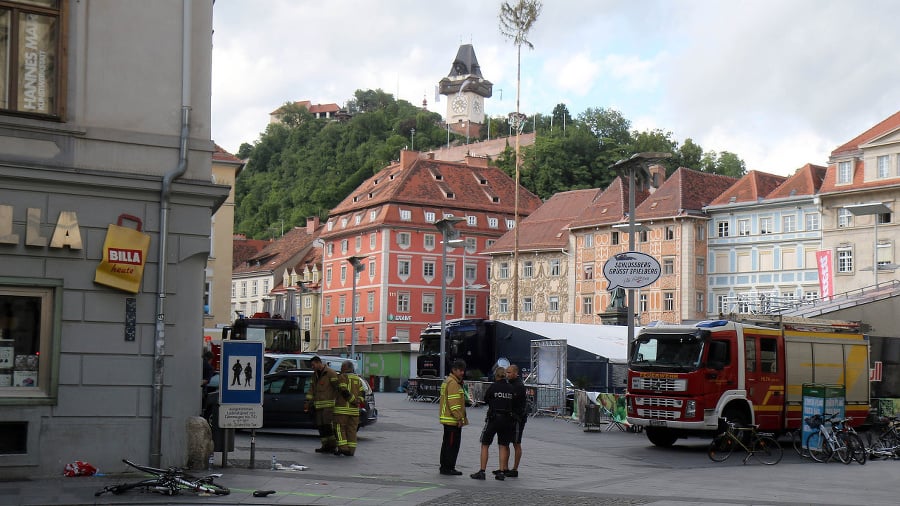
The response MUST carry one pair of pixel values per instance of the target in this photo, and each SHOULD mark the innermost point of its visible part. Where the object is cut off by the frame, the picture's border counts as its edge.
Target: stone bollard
(199, 442)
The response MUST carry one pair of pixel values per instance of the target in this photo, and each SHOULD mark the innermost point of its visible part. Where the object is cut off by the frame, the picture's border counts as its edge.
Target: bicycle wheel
(840, 449)
(213, 488)
(817, 447)
(855, 447)
(721, 447)
(203, 485)
(797, 441)
(767, 450)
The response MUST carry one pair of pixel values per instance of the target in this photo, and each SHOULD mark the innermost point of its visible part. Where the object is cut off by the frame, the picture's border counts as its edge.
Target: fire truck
(682, 379)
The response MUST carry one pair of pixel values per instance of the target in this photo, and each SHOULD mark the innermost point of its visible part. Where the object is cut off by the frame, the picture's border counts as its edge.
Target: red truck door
(765, 379)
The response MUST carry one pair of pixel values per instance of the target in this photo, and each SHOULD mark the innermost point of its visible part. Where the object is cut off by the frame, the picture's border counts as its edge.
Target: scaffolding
(548, 375)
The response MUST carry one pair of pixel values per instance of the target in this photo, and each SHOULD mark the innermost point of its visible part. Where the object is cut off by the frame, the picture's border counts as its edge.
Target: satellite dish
(503, 362)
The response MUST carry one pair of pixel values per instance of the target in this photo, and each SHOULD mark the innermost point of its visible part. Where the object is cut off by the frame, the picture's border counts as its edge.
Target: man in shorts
(499, 422)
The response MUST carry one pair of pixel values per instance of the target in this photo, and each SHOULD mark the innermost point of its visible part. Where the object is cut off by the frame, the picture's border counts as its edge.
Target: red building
(388, 225)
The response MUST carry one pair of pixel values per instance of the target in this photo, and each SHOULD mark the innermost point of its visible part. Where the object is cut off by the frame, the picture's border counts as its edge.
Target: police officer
(500, 422)
(520, 414)
(321, 395)
(346, 409)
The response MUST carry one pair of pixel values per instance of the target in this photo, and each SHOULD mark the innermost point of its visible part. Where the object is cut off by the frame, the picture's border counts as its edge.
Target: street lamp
(448, 233)
(876, 209)
(636, 164)
(358, 266)
(320, 243)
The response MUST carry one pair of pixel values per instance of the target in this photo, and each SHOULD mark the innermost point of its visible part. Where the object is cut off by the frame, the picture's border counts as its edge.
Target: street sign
(631, 269)
(240, 391)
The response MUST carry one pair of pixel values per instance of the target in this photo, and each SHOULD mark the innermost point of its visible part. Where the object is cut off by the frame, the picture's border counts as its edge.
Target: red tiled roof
(611, 206)
(806, 181)
(547, 227)
(278, 252)
(750, 188)
(312, 108)
(243, 249)
(889, 124)
(220, 155)
(685, 190)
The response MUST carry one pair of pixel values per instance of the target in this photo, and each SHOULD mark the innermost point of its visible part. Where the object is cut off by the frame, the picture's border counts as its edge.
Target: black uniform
(520, 409)
(500, 417)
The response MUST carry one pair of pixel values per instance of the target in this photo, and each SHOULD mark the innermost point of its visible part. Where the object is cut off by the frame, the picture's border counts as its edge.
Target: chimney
(657, 177)
(407, 158)
(476, 161)
(312, 224)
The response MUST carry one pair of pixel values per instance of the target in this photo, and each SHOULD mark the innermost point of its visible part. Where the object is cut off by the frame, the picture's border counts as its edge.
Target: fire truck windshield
(669, 351)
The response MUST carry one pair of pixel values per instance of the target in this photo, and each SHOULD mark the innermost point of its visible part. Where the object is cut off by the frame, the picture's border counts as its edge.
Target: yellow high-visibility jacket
(453, 403)
(353, 384)
(324, 388)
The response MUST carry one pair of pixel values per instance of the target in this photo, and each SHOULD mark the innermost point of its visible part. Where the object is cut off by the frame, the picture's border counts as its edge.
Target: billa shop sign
(631, 269)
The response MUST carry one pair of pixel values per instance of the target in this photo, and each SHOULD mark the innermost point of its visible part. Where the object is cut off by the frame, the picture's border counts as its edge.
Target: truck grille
(658, 414)
(658, 402)
(659, 384)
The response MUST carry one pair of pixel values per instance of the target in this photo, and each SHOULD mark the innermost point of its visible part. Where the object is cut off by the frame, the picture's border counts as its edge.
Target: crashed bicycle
(171, 481)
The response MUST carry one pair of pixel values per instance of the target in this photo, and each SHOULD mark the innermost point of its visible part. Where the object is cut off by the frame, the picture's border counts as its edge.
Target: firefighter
(346, 409)
(321, 396)
(452, 416)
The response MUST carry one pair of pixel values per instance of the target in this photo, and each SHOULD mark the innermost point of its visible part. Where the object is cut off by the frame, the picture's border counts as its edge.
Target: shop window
(27, 339)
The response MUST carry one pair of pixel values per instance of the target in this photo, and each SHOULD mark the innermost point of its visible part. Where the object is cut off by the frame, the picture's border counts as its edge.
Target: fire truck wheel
(661, 437)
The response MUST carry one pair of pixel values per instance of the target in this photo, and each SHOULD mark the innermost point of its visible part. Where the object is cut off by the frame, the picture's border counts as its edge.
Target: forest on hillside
(305, 166)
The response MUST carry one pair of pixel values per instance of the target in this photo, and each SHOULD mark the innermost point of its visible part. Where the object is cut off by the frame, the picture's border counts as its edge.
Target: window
(750, 354)
(845, 259)
(883, 218)
(503, 305)
(428, 269)
(243, 288)
(744, 227)
(527, 269)
(403, 239)
(700, 231)
(588, 271)
(328, 305)
(701, 304)
(587, 305)
(428, 241)
(403, 266)
(234, 290)
(469, 271)
(884, 166)
(765, 226)
(471, 244)
(768, 355)
(885, 253)
(373, 241)
(504, 270)
(371, 269)
(429, 216)
(254, 288)
(668, 301)
(668, 266)
(307, 302)
(701, 266)
(428, 303)
(344, 246)
(812, 221)
(614, 238)
(844, 218)
(470, 304)
(405, 215)
(845, 174)
(450, 304)
(493, 223)
(373, 214)
(527, 304)
(589, 241)
(26, 337)
(342, 304)
(553, 303)
(642, 303)
(643, 235)
(722, 303)
(32, 80)
(554, 267)
(722, 228)
(356, 303)
(670, 232)
(357, 219)
(402, 302)
(472, 221)
(789, 223)
(370, 303)
(343, 273)
(358, 244)
(510, 224)
(328, 275)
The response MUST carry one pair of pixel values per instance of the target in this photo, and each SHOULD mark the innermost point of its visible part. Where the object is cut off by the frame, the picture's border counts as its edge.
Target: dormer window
(356, 198)
(844, 173)
(495, 200)
(406, 215)
(376, 181)
(450, 195)
(357, 219)
(429, 217)
(344, 222)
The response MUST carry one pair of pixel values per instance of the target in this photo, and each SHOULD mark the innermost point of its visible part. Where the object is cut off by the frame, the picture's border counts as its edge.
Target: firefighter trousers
(345, 427)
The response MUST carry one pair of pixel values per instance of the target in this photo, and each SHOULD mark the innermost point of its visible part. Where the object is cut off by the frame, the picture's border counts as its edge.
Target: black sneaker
(451, 472)
(497, 471)
(500, 476)
(511, 473)
(477, 476)
(455, 472)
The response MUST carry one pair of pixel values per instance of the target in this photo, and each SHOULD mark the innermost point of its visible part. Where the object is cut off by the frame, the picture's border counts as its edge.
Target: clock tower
(465, 89)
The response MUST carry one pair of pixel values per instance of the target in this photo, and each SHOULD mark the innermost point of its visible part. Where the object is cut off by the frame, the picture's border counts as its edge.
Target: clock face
(476, 105)
(459, 104)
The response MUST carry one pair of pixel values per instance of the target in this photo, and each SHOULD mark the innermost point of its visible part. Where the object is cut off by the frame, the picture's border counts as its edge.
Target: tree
(515, 23)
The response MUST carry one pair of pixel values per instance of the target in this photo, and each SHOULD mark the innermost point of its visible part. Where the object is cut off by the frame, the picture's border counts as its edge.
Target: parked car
(284, 394)
(275, 362)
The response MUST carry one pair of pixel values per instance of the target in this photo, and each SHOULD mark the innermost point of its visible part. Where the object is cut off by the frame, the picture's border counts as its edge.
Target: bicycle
(171, 481)
(887, 444)
(824, 444)
(761, 445)
(797, 441)
(850, 438)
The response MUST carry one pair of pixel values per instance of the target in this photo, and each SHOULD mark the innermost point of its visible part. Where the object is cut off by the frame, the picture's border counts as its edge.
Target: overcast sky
(781, 83)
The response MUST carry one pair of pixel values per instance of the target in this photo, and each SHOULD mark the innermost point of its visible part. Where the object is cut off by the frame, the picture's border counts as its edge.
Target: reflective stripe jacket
(324, 388)
(453, 402)
(351, 383)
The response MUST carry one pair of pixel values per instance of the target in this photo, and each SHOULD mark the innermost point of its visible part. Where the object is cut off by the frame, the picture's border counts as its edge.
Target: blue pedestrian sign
(240, 391)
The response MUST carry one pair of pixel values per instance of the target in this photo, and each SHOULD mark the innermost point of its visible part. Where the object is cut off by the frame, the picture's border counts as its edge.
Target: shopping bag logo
(124, 254)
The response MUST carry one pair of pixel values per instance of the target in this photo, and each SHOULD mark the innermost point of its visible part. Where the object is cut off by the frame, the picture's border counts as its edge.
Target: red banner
(826, 278)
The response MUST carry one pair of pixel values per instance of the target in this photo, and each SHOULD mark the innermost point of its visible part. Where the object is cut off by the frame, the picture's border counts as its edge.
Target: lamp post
(637, 163)
(358, 266)
(875, 209)
(448, 233)
(319, 243)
